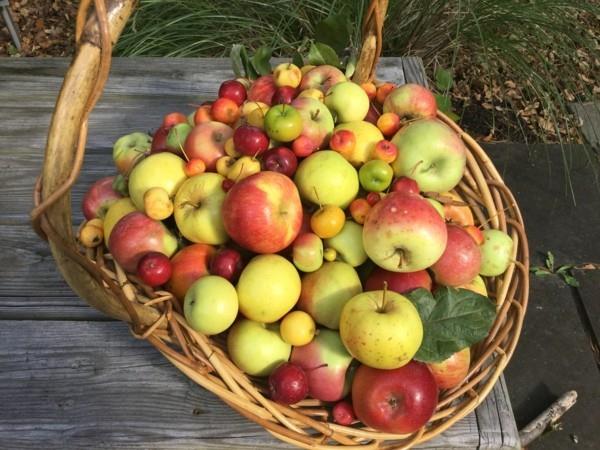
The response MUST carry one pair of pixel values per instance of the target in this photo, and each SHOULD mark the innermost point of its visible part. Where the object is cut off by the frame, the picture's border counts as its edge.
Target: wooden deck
(71, 378)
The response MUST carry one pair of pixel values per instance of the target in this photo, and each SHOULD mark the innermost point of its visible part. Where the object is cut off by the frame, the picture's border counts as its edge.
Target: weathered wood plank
(414, 72)
(81, 384)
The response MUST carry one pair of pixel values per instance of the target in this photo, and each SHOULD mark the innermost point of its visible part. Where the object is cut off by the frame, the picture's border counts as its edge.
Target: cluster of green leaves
(332, 45)
(453, 319)
(444, 80)
(564, 271)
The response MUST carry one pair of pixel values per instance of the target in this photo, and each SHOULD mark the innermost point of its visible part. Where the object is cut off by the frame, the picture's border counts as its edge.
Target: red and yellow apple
(461, 260)
(189, 264)
(207, 142)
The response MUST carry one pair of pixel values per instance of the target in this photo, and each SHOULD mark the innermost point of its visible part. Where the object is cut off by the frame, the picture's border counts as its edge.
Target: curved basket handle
(372, 34)
(65, 149)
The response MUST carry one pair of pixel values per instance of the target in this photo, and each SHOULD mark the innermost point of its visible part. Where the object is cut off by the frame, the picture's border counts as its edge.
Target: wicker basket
(157, 317)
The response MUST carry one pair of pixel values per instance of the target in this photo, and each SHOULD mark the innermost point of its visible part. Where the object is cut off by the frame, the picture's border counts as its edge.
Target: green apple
(118, 209)
(177, 136)
(431, 153)
(283, 123)
(347, 101)
(375, 175)
(164, 170)
(367, 136)
(128, 150)
(269, 286)
(326, 178)
(348, 244)
(496, 252)
(438, 207)
(307, 252)
(210, 305)
(257, 348)
(326, 291)
(198, 209)
(382, 329)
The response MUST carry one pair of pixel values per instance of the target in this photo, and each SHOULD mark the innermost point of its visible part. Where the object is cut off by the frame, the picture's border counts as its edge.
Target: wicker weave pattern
(157, 316)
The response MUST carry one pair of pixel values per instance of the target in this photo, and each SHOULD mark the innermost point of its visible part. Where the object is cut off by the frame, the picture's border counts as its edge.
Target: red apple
(262, 90)
(288, 384)
(359, 208)
(385, 150)
(398, 281)
(154, 269)
(406, 185)
(194, 167)
(227, 263)
(250, 141)
(370, 89)
(411, 101)
(227, 184)
(135, 235)
(174, 118)
(233, 90)
(461, 260)
(280, 159)
(326, 363)
(303, 146)
(202, 114)
(99, 197)
(452, 371)
(373, 197)
(263, 212)
(189, 264)
(395, 401)
(388, 123)
(207, 142)
(225, 110)
(343, 142)
(383, 91)
(322, 77)
(284, 95)
(404, 233)
(343, 413)
(159, 140)
(373, 114)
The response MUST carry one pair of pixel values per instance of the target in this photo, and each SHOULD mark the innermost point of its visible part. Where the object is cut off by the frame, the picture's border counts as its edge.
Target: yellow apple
(287, 74)
(382, 329)
(198, 209)
(268, 288)
(317, 94)
(164, 170)
(476, 285)
(367, 136)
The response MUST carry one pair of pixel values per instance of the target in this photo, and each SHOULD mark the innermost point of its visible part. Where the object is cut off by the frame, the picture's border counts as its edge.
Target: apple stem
(240, 174)
(414, 169)
(316, 367)
(315, 115)
(385, 288)
(317, 195)
(401, 259)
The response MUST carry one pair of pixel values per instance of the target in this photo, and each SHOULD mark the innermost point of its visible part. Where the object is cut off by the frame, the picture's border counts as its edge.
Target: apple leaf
(453, 319)
(297, 59)
(260, 60)
(319, 54)
(443, 79)
(334, 31)
(241, 62)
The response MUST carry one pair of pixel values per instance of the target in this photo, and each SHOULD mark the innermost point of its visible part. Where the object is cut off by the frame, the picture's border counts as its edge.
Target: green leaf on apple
(260, 60)
(443, 79)
(319, 54)
(334, 31)
(453, 319)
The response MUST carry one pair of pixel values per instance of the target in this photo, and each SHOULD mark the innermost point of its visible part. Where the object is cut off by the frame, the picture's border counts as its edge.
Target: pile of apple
(288, 214)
